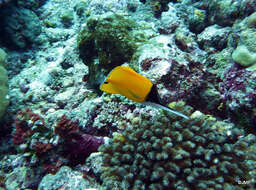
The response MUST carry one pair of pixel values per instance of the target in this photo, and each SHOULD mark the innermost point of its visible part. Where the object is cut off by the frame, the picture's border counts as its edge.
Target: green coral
(243, 56)
(164, 152)
(4, 101)
(49, 23)
(80, 8)
(108, 41)
(245, 53)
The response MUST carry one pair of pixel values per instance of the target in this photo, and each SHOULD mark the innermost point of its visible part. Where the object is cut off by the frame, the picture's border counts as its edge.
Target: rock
(214, 37)
(65, 178)
(22, 26)
(20, 178)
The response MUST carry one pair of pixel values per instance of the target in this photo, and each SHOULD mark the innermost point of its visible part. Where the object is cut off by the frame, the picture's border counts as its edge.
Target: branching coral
(163, 152)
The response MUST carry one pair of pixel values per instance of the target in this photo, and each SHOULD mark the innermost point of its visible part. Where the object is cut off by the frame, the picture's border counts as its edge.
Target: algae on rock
(108, 41)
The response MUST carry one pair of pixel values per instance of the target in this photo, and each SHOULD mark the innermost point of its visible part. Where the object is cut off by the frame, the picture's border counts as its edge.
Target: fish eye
(105, 82)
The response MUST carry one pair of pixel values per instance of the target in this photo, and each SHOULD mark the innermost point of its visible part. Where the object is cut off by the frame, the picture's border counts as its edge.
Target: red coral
(21, 133)
(65, 126)
(41, 148)
(53, 165)
(23, 122)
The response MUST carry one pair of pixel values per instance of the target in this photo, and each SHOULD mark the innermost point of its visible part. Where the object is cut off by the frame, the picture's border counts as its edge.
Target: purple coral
(183, 82)
(81, 146)
(77, 145)
(238, 89)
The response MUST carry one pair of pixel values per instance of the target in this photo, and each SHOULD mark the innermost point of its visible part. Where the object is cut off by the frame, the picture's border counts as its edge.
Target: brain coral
(164, 152)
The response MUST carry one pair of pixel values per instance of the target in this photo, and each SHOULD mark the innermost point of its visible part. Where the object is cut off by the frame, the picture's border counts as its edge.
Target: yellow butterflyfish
(127, 82)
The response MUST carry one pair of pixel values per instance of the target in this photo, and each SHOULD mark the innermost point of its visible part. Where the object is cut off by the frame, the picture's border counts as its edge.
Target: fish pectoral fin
(131, 95)
(134, 95)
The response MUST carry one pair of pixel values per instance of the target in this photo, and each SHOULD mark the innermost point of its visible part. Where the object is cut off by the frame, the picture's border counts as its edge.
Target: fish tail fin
(154, 100)
(174, 112)
(167, 109)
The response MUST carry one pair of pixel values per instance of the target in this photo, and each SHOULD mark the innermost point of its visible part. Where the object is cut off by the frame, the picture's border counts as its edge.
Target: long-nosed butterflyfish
(127, 82)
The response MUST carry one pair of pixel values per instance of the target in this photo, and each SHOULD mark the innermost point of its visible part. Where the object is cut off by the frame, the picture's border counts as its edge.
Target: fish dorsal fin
(129, 70)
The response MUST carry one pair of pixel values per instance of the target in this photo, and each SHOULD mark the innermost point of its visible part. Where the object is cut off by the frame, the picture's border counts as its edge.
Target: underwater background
(59, 131)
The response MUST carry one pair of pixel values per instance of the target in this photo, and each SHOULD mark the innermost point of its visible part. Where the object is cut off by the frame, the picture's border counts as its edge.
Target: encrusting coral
(164, 152)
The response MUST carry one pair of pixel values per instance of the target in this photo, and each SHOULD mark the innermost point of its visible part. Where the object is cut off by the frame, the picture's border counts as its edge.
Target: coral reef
(162, 152)
(176, 81)
(251, 20)
(76, 145)
(214, 38)
(66, 18)
(243, 56)
(33, 138)
(26, 178)
(158, 6)
(225, 12)
(198, 51)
